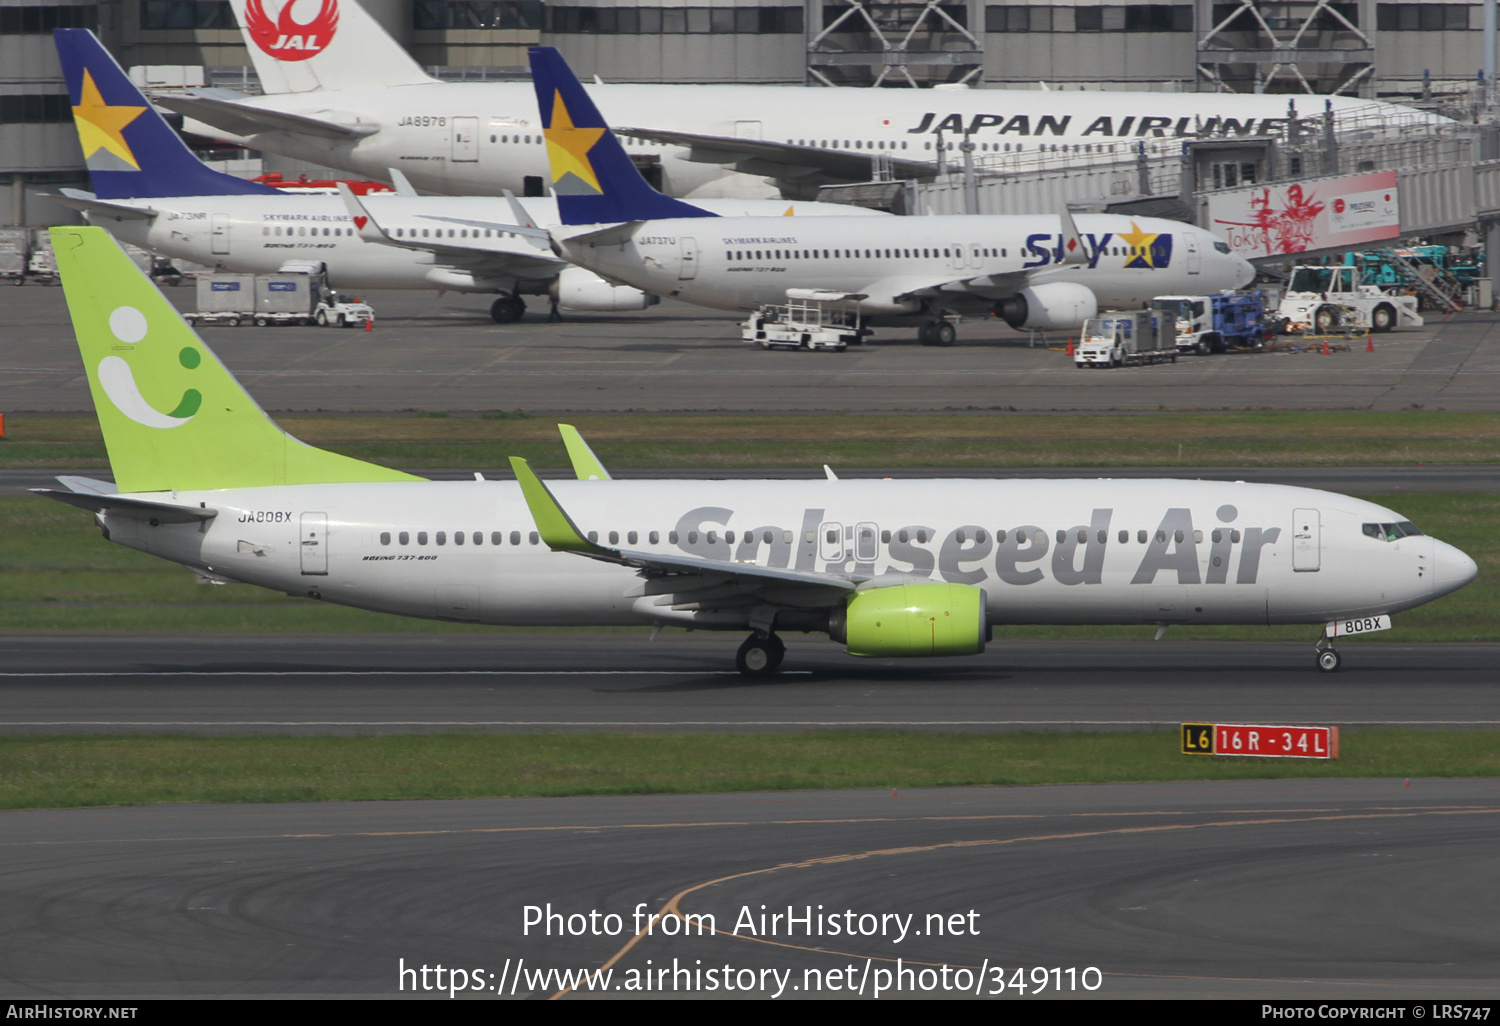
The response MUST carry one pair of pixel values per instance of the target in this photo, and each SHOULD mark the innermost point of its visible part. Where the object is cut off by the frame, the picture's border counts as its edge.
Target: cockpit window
(1222, 247)
(1391, 532)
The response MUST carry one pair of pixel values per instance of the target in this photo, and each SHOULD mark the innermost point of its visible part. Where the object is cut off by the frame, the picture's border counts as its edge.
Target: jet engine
(913, 620)
(578, 289)
(1055, 305)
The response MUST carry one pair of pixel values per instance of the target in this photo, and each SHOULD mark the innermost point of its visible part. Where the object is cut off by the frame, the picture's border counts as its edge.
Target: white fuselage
(258, 234)
(1077, 551)
(744, 263)
(428, 131)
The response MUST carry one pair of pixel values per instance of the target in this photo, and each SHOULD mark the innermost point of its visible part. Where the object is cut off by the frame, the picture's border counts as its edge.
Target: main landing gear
(937, 333)
(760, 655)
(508, 309)
(1328, 656)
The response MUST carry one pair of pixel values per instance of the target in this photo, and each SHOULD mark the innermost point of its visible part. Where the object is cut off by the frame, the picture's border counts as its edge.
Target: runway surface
(444, 354)
(1251, 889)
(343, 684)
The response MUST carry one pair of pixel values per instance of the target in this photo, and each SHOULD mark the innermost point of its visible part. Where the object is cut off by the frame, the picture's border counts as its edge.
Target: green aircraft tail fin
(172, 415)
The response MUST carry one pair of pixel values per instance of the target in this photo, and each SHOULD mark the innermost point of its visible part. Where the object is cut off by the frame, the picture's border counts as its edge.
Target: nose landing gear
(760, 655)
(1328, 657)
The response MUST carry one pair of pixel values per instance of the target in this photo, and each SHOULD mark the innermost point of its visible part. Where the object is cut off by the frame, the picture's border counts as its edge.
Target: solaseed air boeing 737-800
(886, 568)
(342, 93)
(1044, 271)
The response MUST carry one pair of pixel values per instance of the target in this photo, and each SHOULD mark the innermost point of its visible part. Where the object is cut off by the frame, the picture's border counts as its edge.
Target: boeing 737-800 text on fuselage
(886, 568)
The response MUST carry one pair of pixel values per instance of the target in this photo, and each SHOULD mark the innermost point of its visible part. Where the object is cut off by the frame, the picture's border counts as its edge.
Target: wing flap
(783, 160)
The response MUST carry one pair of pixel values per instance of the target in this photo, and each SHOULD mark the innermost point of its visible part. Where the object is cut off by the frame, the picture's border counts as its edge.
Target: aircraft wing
(792, 587)
(88, 202)
(242, 119)
(479, 255)
(782, 161)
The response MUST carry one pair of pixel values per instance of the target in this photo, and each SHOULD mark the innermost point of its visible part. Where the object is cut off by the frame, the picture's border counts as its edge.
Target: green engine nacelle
(913, 620)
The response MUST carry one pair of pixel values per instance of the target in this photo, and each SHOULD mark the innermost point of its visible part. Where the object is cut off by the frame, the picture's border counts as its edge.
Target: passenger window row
(459, 538)
(854, 254)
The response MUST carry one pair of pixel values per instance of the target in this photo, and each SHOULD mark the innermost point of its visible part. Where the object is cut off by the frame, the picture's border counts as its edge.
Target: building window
(1427, 17)
(477, 14)
(187, 14)
(32, 110)
(652, 21)
(35, 21)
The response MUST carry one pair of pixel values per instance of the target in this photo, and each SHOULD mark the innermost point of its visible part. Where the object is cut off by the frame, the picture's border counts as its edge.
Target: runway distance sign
(1265, 741)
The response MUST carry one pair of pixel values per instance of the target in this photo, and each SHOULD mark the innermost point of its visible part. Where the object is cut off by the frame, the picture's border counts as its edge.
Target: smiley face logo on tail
(118, 381)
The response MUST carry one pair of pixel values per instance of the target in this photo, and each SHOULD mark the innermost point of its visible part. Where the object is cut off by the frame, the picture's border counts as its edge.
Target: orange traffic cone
(370, 324)
(1070, 347)
(1369, 343)
(1325, 347)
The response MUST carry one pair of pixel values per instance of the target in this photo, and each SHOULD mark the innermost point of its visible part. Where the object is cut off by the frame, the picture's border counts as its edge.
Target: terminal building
(1415, 51)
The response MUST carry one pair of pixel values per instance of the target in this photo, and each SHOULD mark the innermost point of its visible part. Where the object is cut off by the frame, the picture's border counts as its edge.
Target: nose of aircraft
(1451, 568)
(1245, 272)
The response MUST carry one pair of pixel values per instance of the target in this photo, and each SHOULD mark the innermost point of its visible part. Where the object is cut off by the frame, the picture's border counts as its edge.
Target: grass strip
(73, 772)
(1269, 438)
(58, 574)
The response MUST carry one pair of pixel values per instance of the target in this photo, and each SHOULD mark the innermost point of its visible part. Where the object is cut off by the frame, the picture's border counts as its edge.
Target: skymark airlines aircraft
(342, 93)
(151, 191)
(885, 568)
(1041, 271)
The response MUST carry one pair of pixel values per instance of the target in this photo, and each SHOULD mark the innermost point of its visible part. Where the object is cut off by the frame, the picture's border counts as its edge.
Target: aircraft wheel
(760, 656)
(507, 309)
(944, 334)
(1383, 318)
(1328, 660)
(924, 334)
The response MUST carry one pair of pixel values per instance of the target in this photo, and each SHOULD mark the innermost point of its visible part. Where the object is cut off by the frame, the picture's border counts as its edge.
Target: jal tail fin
(131, 152)
(322, 44)
(172, 415)
(592, 176)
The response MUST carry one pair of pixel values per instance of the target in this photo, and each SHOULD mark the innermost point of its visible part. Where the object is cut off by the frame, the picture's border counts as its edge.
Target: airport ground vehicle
(263, 299)
(1322, 299)
(1211, 324)
(810, 319)
(1124, 339)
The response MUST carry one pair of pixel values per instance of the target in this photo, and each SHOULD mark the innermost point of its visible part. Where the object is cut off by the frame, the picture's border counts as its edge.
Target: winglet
(585, 464)
(367, 227)
(1073, 250)
(552, 523)
(400, 183)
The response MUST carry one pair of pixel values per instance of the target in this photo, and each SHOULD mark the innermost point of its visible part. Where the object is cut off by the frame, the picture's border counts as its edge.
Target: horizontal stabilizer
(89, 203)
(244, 120)
(138, 509)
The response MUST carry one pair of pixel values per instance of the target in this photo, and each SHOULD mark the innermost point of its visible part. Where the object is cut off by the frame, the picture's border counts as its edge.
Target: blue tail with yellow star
(592, 176)
(131, 152)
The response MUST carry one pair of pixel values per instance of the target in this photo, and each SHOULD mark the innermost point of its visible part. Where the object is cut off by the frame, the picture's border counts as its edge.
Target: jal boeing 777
(1044, 271)
(342, 93)
(204, 478)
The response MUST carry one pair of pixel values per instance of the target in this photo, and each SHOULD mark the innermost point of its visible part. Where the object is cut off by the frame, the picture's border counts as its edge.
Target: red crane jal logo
(286, 39)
